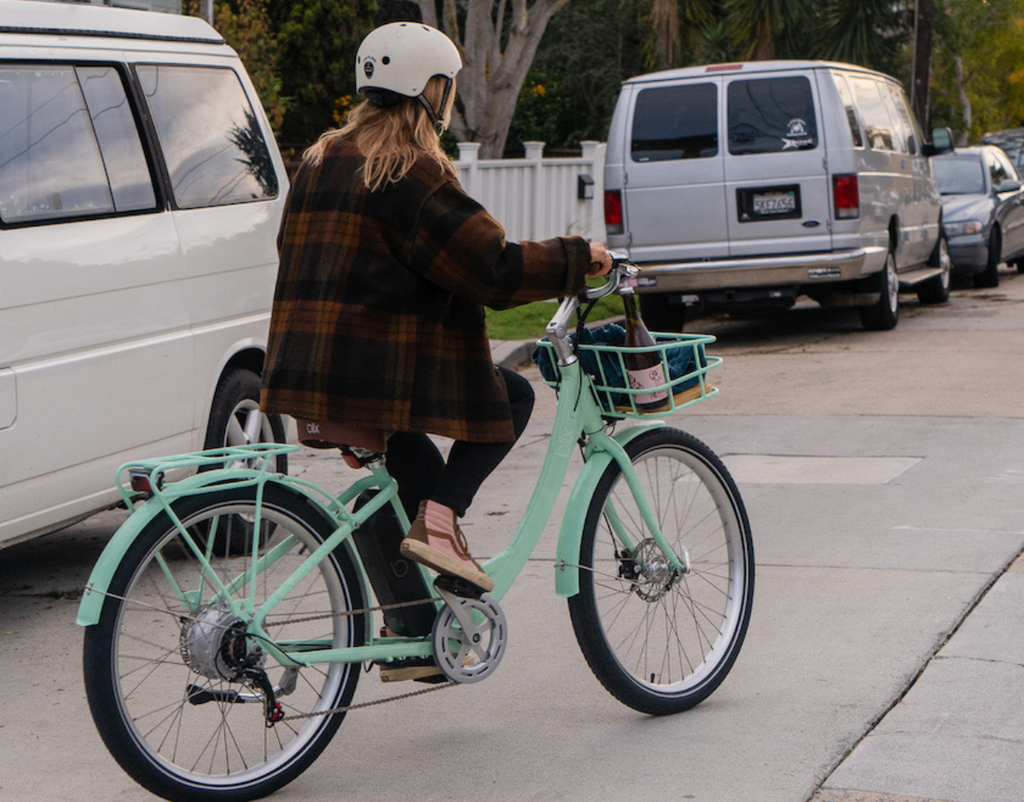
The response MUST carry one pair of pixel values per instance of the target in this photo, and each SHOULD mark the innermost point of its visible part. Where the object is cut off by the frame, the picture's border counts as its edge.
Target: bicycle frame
(578, 420)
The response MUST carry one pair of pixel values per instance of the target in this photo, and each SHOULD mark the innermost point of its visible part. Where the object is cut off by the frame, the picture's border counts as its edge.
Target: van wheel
(989, 277)
(936, 290)
(235, 420)
(661, 314)
(884, 314)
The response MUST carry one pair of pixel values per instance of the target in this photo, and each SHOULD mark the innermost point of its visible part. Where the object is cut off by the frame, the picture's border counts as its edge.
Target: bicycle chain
(360, 705)
(321, 616)
(347, 708)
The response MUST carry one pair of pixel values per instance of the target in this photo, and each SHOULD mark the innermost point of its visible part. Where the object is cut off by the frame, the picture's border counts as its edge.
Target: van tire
(660, 314)
(936, 290)
(235, 400)
(989, 277)
(238, 396)
(884, 314)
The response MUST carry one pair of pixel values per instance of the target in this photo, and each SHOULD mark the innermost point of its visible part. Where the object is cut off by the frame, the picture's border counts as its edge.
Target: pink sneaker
(445, 554)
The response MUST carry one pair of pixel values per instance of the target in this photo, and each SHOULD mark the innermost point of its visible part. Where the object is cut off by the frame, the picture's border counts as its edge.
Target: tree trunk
(665, 20)
(924, 18)
(965, 102)
(491, 77)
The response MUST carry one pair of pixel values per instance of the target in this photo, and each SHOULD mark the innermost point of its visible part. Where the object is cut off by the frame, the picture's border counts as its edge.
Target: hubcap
(892, 284)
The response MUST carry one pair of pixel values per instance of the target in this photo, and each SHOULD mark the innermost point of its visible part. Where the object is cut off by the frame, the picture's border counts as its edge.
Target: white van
(747, 185)
(140, 195)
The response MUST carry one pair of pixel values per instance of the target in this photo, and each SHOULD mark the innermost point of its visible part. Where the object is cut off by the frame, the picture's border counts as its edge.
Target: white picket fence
(536, 198)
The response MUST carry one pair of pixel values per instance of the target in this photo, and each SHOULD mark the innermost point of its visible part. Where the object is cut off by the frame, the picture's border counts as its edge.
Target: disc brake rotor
(656, 576)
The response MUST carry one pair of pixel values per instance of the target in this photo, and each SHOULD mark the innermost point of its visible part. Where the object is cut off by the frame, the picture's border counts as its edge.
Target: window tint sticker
(797, 135)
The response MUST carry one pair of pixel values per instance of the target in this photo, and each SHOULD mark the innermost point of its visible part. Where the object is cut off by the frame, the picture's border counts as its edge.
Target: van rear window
(675, 122)
(771, 115)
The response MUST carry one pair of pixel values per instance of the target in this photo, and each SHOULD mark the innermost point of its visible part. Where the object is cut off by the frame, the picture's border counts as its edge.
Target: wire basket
(683, 360)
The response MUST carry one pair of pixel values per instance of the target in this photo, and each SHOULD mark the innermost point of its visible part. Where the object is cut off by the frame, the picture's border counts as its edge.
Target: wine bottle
(644, 369)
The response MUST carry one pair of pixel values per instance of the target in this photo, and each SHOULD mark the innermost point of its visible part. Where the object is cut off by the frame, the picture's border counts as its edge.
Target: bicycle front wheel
(661, 641)
(177, 689)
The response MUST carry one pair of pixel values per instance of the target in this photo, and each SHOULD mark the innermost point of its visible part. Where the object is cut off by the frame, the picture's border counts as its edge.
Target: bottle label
(647, 378)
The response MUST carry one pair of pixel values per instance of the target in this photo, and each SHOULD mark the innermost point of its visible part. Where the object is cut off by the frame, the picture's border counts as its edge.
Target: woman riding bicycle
(377, 337)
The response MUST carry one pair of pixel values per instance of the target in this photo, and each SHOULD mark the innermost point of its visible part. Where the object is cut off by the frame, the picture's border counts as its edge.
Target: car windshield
(960, 176)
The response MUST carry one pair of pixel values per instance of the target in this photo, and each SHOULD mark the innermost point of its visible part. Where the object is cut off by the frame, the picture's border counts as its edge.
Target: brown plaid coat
(378, 319)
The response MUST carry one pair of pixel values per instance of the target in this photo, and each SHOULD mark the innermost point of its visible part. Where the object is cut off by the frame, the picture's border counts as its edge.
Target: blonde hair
(392, 138)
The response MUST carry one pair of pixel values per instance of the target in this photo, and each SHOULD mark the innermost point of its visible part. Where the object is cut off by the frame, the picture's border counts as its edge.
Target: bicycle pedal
(457, 586)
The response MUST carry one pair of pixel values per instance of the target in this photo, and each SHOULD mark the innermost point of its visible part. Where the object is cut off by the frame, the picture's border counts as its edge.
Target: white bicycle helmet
(397, 60)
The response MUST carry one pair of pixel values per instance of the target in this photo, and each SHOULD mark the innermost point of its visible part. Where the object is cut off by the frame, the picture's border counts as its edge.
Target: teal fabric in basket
(680, 361)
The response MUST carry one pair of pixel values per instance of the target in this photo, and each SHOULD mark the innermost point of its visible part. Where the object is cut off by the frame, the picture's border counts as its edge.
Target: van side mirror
(942, 142)
(1008, 185)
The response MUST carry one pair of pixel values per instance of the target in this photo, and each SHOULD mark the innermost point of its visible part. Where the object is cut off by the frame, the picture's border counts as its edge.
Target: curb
(512, 354)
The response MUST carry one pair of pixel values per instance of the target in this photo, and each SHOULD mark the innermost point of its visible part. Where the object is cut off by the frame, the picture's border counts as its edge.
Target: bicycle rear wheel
(658, 642)
(178, 692)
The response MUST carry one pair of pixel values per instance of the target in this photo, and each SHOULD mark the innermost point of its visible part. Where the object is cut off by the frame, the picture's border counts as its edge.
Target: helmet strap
(438, 123)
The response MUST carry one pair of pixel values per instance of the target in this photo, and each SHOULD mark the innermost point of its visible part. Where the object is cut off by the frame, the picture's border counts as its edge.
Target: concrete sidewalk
(958, 733)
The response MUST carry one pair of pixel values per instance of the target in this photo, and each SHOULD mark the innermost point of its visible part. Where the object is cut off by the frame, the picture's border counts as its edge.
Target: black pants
(422, 473)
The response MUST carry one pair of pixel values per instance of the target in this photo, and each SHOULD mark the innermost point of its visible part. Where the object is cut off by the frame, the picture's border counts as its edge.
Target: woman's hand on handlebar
(600, 260)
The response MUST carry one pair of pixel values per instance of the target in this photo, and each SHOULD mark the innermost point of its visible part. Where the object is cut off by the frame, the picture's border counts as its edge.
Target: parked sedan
(982, 211)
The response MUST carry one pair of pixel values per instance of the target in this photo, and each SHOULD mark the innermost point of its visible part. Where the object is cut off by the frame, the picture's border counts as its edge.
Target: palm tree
(864, 32)
(678, 28)
(763, 28)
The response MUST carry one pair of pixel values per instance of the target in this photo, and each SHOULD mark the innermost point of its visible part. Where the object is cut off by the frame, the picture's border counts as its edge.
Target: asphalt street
(883, 474)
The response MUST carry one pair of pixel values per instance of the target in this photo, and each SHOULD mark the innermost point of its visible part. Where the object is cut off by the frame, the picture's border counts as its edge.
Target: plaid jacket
(378, 317)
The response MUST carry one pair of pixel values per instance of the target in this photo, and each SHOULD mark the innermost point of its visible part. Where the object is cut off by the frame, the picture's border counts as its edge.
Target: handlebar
(560, 326)
(621, 268)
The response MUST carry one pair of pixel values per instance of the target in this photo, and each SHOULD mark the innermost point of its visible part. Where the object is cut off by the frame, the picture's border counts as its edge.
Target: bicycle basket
(601, 353)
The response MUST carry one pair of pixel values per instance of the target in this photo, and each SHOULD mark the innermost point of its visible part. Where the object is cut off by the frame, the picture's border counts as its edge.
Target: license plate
(774, 203)
(758, 204)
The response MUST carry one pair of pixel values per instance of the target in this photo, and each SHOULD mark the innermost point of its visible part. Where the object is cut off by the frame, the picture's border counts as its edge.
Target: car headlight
(962, 227)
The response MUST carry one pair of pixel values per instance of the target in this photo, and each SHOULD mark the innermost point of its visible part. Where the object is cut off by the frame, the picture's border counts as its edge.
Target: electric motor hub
(213, 643)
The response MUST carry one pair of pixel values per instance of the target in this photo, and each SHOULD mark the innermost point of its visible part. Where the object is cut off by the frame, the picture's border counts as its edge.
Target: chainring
(470, 637)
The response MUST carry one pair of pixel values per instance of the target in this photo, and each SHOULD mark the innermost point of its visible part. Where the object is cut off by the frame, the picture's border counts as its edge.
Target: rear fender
(96, 588)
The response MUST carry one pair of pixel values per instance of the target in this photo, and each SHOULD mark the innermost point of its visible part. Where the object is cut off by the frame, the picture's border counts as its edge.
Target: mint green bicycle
(218, 666)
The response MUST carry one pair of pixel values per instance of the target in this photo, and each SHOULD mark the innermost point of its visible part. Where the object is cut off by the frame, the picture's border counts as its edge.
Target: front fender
(567, 556)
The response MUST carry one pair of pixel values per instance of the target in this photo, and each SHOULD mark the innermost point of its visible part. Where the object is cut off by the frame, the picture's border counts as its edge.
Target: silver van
(747, 185)
(140, 195)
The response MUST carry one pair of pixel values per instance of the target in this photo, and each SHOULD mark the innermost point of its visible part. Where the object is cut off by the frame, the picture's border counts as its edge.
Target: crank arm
(471, 633)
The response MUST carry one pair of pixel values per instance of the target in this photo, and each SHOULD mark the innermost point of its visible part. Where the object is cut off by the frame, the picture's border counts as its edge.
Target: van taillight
(613, 211)
(846, 196)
